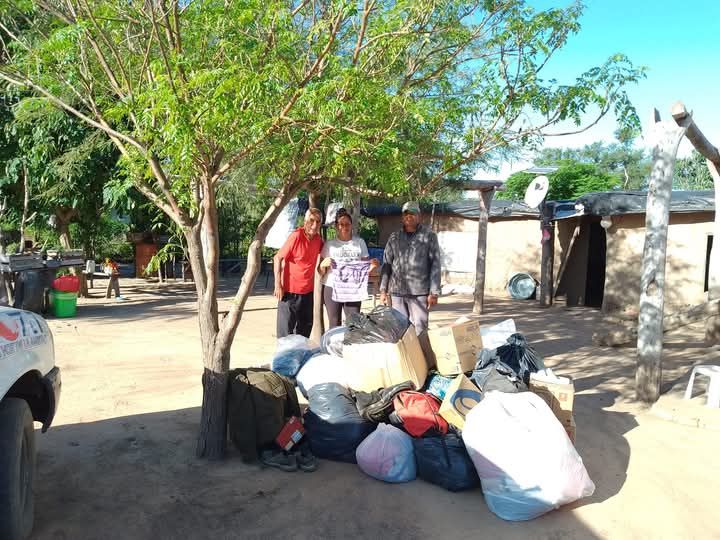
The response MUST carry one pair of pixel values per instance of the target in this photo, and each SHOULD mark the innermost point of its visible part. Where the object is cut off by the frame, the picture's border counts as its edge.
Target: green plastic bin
(64, 304)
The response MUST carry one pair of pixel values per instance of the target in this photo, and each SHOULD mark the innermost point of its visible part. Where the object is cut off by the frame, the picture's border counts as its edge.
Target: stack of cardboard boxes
(455, 351)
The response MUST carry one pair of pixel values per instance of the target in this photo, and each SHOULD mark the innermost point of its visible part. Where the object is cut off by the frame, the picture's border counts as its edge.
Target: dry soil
(119, 461)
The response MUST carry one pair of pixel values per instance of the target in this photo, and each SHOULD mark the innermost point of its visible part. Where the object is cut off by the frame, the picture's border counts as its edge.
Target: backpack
(418, 414)
(258, 404)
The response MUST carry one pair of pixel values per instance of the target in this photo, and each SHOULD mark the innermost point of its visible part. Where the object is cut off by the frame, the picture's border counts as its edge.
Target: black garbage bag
(333, 424)
(520, 357)
(491, 373)
(445, 462)
(381, 325)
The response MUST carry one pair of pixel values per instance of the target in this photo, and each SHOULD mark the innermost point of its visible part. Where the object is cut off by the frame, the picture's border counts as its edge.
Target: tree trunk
(26, 201)
(548, 256)
(314, 199)
(648, 376)
(217, 336)
(352, 202)
(64, 235)
(484, 199)
(318, 327)
(64, 216)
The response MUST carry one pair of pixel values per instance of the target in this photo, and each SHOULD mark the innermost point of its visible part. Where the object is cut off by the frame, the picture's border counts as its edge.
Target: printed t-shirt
(341, 252)
(300, 255)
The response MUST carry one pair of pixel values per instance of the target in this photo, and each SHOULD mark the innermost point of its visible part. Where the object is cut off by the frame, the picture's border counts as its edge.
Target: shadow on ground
(142, 481)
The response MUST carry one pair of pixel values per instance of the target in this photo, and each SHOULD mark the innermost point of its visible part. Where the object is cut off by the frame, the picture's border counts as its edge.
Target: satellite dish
(536, 191)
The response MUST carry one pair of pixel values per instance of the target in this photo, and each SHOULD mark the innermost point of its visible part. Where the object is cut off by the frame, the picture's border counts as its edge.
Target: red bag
(419, 413)
(66, 284)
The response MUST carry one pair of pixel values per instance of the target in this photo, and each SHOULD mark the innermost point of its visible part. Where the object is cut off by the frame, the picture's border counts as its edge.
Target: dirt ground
(119, 461)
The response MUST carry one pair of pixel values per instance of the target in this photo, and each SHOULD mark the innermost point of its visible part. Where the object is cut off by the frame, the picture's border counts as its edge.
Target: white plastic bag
(526, 462)
(321, 368)
(292, 341)
(387, 454)
(496, 335)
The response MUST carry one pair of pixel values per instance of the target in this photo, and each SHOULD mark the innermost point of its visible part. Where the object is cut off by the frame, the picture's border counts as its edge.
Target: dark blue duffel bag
(333, 424)
(445, 462)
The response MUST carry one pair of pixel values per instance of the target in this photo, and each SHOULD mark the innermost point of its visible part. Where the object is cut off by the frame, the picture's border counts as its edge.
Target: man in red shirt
(294, 267)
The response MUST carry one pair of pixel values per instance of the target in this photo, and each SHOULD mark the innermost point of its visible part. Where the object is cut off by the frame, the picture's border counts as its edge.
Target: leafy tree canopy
(629, 164)
(571, 180)
(692, 173)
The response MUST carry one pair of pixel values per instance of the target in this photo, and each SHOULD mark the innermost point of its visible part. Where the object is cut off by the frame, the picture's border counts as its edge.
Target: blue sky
(678, 42)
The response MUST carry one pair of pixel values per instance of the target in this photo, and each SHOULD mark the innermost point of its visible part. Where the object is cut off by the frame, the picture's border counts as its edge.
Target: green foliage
(571, 180)
(692, 173)
(631, 166)
(430, 89)
(368, 231)
(65, 161)
(107, 238)
(172, 250)
(241, 206)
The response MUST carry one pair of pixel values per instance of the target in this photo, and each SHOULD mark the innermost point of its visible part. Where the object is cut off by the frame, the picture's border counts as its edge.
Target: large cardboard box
(455, 347)
(370, 366)
(461, 396)
(557, 395)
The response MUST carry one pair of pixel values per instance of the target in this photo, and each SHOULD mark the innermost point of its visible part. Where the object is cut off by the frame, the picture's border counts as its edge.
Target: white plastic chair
(713, 391)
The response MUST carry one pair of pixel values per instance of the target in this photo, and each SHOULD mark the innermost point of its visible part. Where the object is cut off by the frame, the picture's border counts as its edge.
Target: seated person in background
(346, 248)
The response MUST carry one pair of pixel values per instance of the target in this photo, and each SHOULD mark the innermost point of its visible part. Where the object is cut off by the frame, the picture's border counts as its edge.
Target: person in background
(345, 248)
(410, 276)
(110, 268)
(294, 267)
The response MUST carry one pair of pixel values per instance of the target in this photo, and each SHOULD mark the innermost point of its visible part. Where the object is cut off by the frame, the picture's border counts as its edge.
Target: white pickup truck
(29, 392)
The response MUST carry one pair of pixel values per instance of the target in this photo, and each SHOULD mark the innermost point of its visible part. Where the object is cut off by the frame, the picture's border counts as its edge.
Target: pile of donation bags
(470, 423)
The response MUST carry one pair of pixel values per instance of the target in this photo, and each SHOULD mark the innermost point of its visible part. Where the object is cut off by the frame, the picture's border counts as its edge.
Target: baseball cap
(412, 207)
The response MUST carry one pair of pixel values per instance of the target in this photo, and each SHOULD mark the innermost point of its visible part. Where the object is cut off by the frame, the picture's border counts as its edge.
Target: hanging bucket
(521, 286)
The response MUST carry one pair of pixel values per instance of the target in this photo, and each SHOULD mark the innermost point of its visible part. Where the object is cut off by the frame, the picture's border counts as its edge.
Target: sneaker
(279, 460)
(306, 461)
(120, 298)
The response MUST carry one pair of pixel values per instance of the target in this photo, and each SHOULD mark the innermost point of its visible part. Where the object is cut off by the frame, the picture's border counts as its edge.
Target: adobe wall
(513, 246)
(685, 263)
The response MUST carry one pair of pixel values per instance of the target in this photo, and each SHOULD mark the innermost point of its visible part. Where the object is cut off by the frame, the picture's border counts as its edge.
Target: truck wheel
(17, 469)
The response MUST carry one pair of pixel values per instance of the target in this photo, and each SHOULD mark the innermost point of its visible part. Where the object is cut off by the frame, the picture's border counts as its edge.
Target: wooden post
(648, 375)
(485, 200)
(548, 255)
(712, 155)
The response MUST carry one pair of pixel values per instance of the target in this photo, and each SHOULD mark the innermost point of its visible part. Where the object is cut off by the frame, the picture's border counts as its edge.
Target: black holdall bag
(445, 462)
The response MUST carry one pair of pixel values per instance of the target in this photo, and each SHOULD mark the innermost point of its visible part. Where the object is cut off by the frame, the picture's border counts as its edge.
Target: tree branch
(683, 118)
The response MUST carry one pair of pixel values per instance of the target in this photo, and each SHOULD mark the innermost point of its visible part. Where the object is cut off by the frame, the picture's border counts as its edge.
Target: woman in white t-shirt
(345, 248)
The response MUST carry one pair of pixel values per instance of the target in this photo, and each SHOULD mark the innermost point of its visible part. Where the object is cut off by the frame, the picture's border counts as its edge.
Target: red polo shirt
(300, 259)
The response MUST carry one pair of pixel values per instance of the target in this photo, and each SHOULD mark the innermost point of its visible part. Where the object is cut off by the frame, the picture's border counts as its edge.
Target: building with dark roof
(599, 241)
